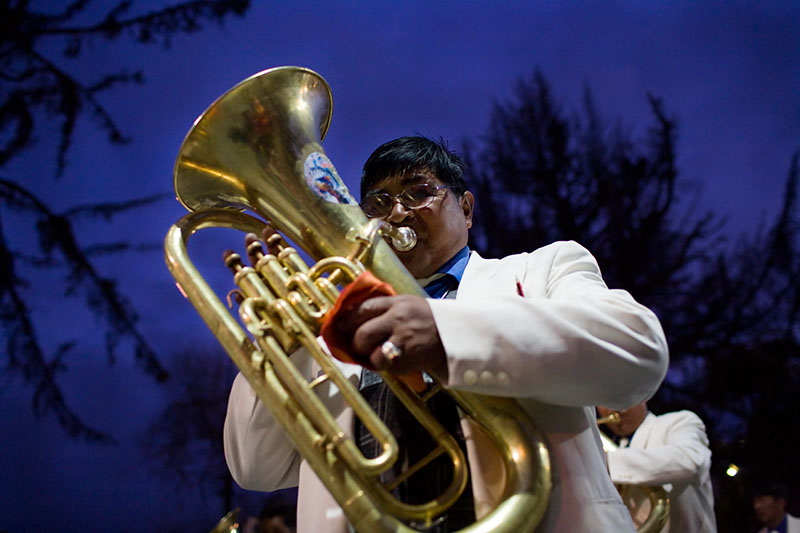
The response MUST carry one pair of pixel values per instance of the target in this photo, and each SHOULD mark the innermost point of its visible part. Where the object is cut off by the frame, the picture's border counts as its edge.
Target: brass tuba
(228, 523)
(258, 148)
(656, 496)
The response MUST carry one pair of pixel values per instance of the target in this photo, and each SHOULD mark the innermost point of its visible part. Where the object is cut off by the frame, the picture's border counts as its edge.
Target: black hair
(776, 490)
(409, 154)
(280, 504)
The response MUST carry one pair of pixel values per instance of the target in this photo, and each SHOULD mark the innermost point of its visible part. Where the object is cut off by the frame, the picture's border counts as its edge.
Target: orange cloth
(365, 286)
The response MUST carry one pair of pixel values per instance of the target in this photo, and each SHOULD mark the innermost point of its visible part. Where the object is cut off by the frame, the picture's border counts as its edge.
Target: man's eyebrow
(415, 176)
(405, 179)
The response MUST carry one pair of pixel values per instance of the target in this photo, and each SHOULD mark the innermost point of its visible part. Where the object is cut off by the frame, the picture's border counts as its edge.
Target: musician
(769, 505)
(541, 327)
(671, 450)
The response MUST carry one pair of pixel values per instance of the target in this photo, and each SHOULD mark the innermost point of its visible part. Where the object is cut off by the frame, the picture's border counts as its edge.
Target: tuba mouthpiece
(403, 239)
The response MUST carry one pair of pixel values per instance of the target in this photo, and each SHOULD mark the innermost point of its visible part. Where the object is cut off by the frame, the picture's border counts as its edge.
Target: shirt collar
(455, 266)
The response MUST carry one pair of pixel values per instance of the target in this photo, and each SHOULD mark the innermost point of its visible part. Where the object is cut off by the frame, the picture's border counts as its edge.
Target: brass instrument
(611, 418)
(228, 523)
(657, 496)
(258, 147)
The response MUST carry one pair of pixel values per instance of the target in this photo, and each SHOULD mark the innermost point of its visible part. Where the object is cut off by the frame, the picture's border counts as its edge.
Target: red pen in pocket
(519, 288)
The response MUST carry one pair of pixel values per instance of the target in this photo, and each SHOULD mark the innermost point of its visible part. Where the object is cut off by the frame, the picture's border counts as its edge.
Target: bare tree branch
(37, 91)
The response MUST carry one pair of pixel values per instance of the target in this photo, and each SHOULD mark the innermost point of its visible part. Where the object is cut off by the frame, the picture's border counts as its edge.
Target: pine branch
(102, 297)
(109, 210)
(26, 357)
(158, 25)
(34, 83)
(32, 86)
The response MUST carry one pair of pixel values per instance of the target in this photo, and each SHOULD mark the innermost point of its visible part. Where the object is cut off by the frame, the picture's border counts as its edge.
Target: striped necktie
(440, 284)
(413, 441)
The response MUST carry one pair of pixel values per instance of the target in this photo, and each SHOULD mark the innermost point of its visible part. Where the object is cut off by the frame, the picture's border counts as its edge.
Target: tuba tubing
(657, 495)
(527, 467)
(251, 150)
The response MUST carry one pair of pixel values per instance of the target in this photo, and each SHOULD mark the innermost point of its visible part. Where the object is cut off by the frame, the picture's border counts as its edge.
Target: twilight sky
(728, 71)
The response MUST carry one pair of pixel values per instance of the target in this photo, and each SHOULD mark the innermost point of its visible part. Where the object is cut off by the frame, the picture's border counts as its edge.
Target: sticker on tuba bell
(322, 178)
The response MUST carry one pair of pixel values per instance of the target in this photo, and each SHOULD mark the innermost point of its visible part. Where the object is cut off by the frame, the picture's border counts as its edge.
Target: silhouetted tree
(184, 443)
(543, 176)
(730, 312)
(37, 92)
(743, 334)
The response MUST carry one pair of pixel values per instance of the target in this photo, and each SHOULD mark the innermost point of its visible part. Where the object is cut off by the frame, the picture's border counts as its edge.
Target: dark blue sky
(729, 72)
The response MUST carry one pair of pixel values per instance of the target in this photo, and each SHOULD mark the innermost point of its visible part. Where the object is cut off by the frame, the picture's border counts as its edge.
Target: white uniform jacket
(671, 449)
(541, 327)
(792, 525)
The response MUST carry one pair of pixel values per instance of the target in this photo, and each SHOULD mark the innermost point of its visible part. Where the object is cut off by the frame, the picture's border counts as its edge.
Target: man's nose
(399, 211)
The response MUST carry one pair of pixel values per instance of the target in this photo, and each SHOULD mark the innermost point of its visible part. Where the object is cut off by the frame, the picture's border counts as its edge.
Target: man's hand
(407, 322)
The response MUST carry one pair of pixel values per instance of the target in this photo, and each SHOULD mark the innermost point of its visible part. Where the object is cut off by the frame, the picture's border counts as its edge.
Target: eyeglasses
(380, 204)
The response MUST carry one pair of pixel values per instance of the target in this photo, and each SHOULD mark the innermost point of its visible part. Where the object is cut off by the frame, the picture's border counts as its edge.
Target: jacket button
(487, 378)
(470, 377)
(502, 378)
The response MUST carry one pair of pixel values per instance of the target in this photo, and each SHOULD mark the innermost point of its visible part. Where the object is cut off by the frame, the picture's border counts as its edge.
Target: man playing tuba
(541, 327)
(669, 449)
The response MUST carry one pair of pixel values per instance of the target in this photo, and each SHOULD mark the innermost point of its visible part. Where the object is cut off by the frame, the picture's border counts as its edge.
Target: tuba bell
(228, 523)
(632, 495)
(258, 148)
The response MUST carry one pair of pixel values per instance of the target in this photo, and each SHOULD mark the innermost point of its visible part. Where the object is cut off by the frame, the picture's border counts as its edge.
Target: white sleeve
(569, 341)
(680, 459)
(259, 454)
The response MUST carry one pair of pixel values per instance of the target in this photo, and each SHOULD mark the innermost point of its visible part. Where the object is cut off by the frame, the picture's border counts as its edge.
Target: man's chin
(409, 261)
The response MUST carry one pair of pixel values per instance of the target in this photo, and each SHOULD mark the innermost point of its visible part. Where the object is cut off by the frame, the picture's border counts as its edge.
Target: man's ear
(781, 503)
(468, 207)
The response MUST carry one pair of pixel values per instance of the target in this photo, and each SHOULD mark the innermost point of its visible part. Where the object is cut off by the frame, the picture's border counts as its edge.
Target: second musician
(671, 450)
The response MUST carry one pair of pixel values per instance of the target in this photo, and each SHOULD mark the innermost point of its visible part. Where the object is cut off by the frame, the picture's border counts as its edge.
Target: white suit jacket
(671, 449)
(566, 344)
(792, 525)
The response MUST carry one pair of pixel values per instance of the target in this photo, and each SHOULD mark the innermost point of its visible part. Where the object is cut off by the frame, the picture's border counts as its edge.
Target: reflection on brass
(258, 148)
(611, 418)
(228, 523)
(657, 496)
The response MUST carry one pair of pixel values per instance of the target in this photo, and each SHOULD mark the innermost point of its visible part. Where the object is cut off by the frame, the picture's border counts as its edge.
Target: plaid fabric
(414, 442)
